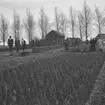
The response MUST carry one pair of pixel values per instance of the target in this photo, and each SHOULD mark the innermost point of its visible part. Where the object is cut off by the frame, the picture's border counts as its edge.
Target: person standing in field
(23, 44)
(17, 44)
(66, 44)
(92, 44)
(10, 44)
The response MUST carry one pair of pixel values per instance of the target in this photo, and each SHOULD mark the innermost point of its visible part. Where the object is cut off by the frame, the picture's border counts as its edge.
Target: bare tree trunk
(43, 36)
(3, 38)
(15, 34)
(99, 17)
(16, 25)
(86, 34)
(72, 31)
(72, 20)
(87, 19)
(43, 23)
(99, 29)
(86, 31)
(86, 24)
(29, 25)
(29, 39)
(4, 28)
(58, 17)
(63, 23)
(81, 24)
(80, 33)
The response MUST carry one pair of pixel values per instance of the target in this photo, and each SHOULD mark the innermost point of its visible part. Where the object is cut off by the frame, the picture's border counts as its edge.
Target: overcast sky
(7, 6)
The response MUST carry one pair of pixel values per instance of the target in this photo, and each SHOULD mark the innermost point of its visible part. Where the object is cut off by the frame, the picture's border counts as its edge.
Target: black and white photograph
(52, 52)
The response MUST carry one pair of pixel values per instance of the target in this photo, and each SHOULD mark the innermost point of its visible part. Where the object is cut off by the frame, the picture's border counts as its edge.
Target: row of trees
(81, 21)
(77, 21)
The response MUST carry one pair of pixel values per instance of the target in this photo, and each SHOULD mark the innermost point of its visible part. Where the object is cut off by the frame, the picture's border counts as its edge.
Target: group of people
(70, 43)
(18, 44)
(92, 44)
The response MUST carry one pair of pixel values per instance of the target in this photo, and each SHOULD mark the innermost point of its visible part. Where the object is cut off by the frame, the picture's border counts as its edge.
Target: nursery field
(52, 78)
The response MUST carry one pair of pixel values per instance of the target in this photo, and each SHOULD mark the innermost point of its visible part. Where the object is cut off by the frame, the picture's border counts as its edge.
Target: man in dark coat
(23, 44)
(10, 44)
(17, 44)
(66, 44)
(92, 44)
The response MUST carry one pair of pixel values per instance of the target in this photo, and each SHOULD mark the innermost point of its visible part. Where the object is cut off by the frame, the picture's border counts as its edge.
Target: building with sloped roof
(100, 36)
(55, 38)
